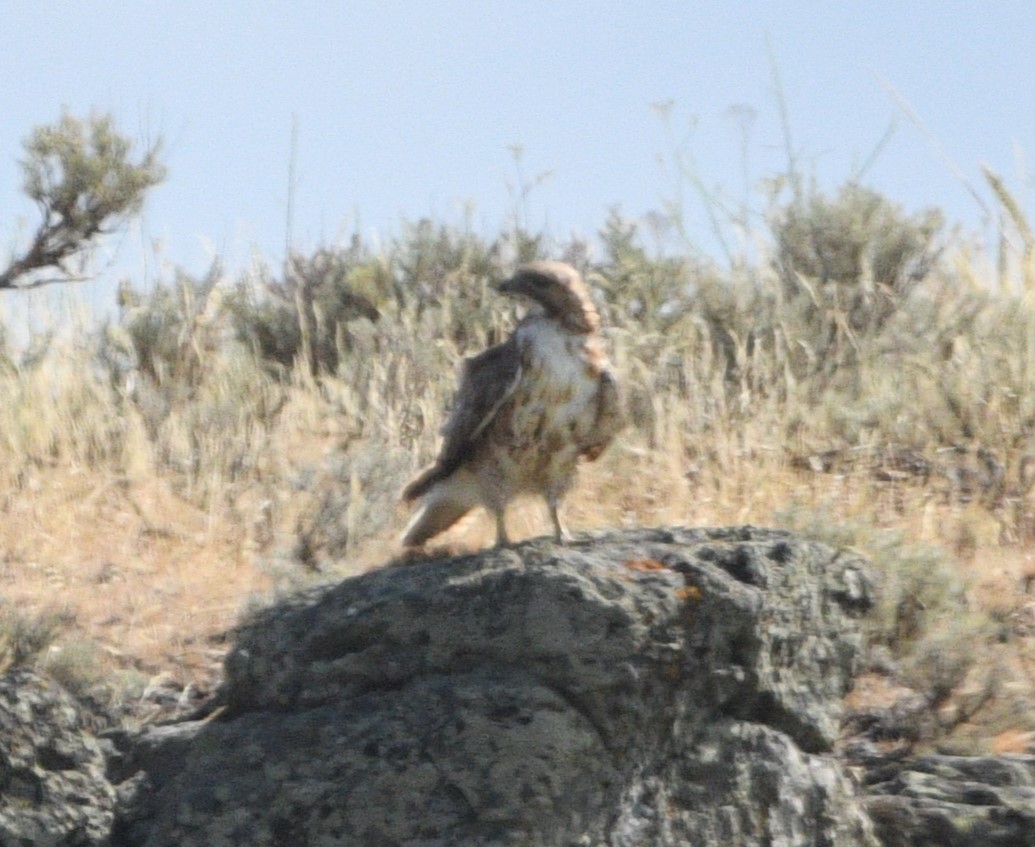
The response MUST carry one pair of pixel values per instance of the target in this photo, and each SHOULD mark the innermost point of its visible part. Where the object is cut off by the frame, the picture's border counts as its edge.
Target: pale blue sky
(408, 109)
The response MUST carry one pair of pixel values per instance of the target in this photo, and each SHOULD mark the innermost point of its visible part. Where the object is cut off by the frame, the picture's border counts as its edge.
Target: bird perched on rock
(526, 410)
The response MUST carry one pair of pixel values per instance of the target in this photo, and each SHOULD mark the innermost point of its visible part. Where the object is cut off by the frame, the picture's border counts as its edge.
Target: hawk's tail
(423, 482)
(445, 504)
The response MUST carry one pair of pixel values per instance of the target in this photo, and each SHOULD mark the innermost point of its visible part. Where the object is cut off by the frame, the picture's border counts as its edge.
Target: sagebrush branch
(80, 175)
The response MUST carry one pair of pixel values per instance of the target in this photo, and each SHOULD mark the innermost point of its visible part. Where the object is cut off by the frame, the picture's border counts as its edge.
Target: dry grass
(144, 574)
(159, 477)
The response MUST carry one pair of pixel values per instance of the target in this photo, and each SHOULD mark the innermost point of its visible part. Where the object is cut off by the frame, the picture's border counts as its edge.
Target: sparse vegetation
(23, 637)
(221, 437)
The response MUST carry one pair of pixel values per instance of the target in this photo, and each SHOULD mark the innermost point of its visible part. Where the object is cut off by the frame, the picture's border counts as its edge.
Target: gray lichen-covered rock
(651, 687)
(934, 801)
(53, 789)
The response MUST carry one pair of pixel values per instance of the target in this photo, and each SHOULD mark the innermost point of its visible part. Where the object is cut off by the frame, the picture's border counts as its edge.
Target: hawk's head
(559, 290)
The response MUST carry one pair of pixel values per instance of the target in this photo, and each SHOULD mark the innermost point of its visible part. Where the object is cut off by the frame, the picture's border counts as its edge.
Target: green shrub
(847, 265)
(24, 638)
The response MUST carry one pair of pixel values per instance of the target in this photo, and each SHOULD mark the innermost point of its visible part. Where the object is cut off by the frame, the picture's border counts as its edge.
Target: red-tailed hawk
(526, 410)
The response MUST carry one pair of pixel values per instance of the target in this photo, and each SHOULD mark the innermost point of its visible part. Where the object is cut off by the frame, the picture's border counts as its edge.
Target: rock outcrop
(652, 687)
(53, 787)
(959, 801)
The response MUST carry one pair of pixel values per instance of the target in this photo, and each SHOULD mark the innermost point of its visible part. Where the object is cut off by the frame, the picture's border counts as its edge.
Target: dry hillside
(862, 380)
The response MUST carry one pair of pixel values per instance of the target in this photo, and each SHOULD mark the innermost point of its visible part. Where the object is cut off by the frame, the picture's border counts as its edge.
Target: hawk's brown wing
(487, 381)
(609, 417)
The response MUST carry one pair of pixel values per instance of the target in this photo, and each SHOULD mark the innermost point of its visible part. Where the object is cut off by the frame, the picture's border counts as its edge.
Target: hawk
(525, 412)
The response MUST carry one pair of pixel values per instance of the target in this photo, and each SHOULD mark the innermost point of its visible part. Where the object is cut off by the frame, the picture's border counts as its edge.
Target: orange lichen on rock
(645, 565)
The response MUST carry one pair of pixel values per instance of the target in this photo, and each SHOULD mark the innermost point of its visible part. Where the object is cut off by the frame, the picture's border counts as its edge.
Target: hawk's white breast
(560, 383)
